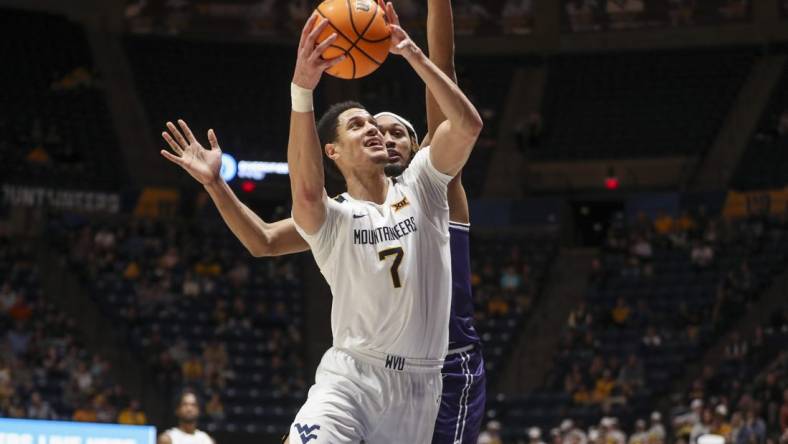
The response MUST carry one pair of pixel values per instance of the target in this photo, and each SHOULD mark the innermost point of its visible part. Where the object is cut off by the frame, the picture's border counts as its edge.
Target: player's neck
(188, 427)
(371, 187)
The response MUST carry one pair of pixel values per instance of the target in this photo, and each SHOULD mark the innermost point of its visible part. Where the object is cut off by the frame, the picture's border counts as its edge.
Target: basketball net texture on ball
(362, 35)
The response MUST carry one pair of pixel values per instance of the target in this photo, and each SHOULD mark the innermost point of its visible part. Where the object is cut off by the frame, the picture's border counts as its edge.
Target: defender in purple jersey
(464, 383)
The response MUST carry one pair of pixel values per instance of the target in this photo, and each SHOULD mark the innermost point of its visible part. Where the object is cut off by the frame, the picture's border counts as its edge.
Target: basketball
(362, 34)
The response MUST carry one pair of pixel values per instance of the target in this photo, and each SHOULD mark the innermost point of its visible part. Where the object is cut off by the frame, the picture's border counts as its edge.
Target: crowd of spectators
(507, 274)
(46, 372)
(55, 110)
(202, 313)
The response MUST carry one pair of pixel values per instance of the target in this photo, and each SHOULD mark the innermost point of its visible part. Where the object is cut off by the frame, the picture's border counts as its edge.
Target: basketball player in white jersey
(187, 412)
(383, 247)
(264, 239)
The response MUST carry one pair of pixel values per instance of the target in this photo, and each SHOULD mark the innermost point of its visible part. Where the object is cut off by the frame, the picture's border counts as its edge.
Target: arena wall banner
(77, 200)
(612, 15)
(26, 431)
(756, 202)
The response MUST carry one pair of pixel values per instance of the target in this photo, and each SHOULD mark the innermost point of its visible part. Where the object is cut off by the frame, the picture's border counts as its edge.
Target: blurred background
(628, 201)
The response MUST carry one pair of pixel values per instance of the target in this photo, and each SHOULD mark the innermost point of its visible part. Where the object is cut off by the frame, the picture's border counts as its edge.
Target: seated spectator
(719, 424)
(702, 255)
(656, 433)
(603, 389)
(132, 415)
(104, 411)
(214, 408)
(620, 313)
(491, 433)
(85, 413)
(663, 224)
(18, 339)
(39, 409)
(582, 395)
(580, 318)
(498, 306)
(753, 430)
(652, 338)
(685, 222)
(192, 369)
(510, 280)
(8, 297)
(632, 376)
(642, 249)
(737, 347)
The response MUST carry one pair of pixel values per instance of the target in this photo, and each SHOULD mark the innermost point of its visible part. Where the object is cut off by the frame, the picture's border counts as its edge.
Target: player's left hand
(401, 42)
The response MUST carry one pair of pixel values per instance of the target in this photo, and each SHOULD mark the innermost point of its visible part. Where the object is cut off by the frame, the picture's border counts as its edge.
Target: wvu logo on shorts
(305, 432)
(401, 204)
(362, 5)
(395, 362)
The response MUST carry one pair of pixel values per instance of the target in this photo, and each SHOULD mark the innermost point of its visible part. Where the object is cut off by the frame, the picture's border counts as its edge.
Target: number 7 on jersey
(397, 252)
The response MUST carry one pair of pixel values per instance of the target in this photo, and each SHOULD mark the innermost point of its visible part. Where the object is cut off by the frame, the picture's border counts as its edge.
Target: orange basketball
(362, 34)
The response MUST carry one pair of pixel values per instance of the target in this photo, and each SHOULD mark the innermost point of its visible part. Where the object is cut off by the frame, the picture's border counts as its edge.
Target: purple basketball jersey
(461, 331)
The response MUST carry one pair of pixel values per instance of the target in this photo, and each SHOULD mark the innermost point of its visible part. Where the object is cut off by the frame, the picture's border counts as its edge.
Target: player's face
(188, 410)
(360, 143)
(396, 138)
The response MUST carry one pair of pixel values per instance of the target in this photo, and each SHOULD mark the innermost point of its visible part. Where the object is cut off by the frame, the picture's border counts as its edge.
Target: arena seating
(638, 104)
(673, 309)
(508, 275)
(764, 163)
(45, 370)
(54, 123)
(201, 312)
(234, 88)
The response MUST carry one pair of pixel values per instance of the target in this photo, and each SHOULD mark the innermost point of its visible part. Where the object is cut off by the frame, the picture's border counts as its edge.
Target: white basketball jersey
(389, 266)
(178, 436)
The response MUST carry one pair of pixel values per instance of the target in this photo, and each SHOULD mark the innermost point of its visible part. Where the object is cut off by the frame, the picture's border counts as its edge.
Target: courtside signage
(27, 431)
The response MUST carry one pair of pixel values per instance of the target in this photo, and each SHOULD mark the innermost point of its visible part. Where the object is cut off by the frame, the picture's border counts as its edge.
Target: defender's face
(360, 144)
(396, 138)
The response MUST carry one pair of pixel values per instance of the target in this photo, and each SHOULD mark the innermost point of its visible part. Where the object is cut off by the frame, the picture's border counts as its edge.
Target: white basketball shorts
(362, 396)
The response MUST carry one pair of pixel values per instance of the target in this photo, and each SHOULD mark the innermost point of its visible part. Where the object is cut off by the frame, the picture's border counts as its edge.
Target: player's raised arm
(304, 156)
(440, 45)
(453, 139)
(204, 165)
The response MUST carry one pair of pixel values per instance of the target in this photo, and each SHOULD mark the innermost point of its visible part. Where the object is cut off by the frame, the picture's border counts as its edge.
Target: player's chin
(379, 157)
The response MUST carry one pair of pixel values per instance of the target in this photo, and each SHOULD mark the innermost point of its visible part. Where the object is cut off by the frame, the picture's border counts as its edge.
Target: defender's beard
(394, 169)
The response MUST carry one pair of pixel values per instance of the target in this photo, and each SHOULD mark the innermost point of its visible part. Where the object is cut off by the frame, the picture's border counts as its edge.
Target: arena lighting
(611, 181)
(248, 186)
(26, 431)
(249, 169)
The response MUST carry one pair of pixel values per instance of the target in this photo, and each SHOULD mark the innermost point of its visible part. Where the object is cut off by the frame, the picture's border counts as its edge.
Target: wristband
(301, 99)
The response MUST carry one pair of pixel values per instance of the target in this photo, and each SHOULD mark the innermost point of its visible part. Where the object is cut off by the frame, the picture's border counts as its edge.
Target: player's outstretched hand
(203, 165)
(401, 42)
(310, 63)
